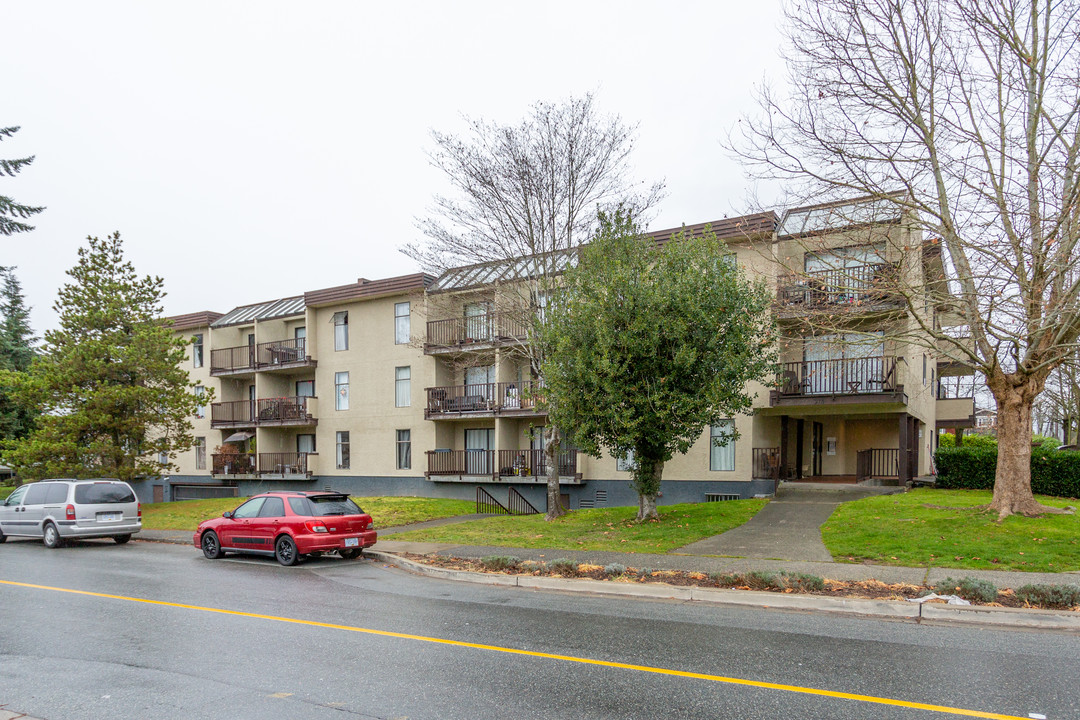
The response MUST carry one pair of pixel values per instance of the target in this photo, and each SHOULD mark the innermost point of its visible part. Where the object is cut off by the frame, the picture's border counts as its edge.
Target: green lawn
(604, 529)
(900, 530)
(385, 511)
(5, 491)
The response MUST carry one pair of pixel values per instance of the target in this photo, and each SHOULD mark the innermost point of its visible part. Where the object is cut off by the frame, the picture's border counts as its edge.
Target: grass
(5, 491)
(385, 511)
(901, 530)
(600, 529)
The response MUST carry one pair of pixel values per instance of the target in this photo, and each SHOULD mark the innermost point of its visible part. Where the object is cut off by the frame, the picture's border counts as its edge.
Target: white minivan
(58, 510)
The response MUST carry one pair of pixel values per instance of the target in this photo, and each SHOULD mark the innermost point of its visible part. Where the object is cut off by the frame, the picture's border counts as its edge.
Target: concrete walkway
(789, 527)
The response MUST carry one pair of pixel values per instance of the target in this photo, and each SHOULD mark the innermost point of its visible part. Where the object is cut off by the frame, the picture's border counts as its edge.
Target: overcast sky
(250, 151)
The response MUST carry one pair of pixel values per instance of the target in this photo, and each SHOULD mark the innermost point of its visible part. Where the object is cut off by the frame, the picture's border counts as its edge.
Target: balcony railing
(493, 398)
(460, 462)
(281, 352)
(534, 463)
(285, 463)
(283, 411)
(266, 411)
(858, 285)
(484, 328)
(766, 463)
(848, 376)
(239, 412)
(234, 359)
(877, 463)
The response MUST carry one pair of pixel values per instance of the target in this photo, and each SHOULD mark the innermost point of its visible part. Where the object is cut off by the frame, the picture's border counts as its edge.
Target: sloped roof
(262, 311)
(743, 226)
(193, 320)
(470, 276)
(364, 289)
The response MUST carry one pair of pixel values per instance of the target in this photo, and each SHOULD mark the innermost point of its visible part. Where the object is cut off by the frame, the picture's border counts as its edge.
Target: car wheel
(3, 537)
(121, 539)
(52, 536)
(285, 551)
(211, 546)
(351, 554)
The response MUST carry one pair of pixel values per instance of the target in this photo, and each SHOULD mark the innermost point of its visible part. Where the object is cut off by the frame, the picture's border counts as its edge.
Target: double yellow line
(944, 709)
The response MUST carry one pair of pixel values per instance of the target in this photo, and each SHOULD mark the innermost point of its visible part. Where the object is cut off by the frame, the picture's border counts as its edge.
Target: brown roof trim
(193, 320)
(742, 227)
(367, 289)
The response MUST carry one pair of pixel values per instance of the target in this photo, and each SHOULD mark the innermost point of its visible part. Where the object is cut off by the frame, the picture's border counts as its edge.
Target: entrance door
(478, 446)
(251, 403)
(478, 321)
(816, 446)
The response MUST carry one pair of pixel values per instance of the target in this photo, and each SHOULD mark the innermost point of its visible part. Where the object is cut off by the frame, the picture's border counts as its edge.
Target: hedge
(1053, 472)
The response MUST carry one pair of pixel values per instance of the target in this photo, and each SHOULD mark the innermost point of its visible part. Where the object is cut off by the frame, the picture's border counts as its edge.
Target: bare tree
(963, 116)
(524, 197)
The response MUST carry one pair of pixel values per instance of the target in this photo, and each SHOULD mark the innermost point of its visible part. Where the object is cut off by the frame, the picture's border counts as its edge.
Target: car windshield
(333, 505)
(101, 493)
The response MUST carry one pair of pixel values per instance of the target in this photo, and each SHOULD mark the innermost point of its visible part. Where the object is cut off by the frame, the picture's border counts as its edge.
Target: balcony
(483, 400)
(861, 286)
(278, 355)
(520, 466)
(284, 465)
(267, 412)
(877, 464)
(847, 380)
(475, 332)
(955, 404)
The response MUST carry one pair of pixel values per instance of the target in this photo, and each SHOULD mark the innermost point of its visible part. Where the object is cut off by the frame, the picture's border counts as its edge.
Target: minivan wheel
(3, 537)
(285, 551)
(211, 546)
(52, 536)
(121, 539)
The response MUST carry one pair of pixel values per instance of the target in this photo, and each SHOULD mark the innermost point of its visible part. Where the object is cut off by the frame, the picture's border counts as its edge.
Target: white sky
(253, 150)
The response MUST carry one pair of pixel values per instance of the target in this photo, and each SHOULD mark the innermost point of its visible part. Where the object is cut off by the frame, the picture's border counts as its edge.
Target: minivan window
(57, 494)
(333, 505)
(36, 494)
(103, 493)
(15, 497)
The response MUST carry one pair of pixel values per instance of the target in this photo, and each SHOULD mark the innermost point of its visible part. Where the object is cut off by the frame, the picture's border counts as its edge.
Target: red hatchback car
(288, 526)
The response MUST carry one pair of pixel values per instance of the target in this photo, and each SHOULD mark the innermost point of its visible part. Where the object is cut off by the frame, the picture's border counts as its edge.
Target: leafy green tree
(16, 352)
(9, 209)
(649, 344)
(109, 381)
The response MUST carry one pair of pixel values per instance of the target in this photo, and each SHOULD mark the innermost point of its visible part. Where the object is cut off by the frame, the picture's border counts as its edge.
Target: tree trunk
(647, 507)
(1012, 482)
(551, 456)
(647, 484)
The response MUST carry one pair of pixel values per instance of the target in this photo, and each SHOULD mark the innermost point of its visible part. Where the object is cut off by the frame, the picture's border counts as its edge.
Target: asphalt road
(183, 637)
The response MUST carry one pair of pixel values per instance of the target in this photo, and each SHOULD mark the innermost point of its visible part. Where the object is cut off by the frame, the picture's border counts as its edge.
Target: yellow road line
(548, 656)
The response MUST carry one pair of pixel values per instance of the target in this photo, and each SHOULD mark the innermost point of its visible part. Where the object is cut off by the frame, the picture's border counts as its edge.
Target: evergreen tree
(16, 352)
(9, 209)
(108, 382)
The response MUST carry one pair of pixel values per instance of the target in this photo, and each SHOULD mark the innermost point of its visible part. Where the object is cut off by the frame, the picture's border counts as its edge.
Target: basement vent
(586, 504)
(202, 492)
(601, 497)
(718, 497)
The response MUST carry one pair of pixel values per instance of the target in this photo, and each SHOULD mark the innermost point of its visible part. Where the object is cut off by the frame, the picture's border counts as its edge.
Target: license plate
(352, 542)
(110, 516)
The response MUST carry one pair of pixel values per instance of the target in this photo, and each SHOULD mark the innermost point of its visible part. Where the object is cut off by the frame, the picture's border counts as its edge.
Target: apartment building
(420, 385)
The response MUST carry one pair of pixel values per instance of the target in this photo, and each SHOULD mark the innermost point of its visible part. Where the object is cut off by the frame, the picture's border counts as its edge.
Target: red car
(288, 526)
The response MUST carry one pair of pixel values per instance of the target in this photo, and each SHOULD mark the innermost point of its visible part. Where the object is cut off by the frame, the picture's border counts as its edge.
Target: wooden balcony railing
(848, 376)
(858, 285)
(460, 462)
(239, 412)
(766, 463)
(233, 464)
(282, 410)
(232, 359)
(281, 352)
(483, 397)
(485, 328)
(283, 463)
(877, 463)
(533, 463)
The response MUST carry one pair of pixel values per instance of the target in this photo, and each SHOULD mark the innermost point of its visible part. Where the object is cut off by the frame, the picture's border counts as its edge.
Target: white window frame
(403, 386)
(200, 453)
(200, 393)
(722, 457)
(341, 331)
(341, 390)
(197, 350)
(403, 449)
(343, 453)
(626, 463)
(402, 323)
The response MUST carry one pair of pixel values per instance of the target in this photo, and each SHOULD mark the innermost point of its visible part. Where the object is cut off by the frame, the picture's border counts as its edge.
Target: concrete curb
(917, 612)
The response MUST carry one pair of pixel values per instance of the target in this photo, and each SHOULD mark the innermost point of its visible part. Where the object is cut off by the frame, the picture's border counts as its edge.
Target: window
(249, 509)
(341, 331)
(626, 463)
(722, 446)
(341, 391)
(403, 386)
(200, 394)
(305, 443)
(200, 453)
(924, 370)
(305, 388)
(163, 458)
(272, 507)
(197, 350)
(343, 450)
(404, 449)
(401, 323)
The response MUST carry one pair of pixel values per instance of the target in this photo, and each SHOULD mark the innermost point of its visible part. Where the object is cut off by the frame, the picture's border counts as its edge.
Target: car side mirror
(227, 514)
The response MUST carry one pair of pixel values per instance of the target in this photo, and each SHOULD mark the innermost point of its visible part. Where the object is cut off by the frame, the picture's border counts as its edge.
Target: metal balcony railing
(848, 376)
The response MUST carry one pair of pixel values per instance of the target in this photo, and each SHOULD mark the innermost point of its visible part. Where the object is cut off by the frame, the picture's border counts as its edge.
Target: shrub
(972, 589)
(971, 440)
(760, 580)
(645, 573)
(500, 562)
(725, 579)
(564, 566)
(1053, 472)
(614, 569)
(802, 582)
(1050, 596)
